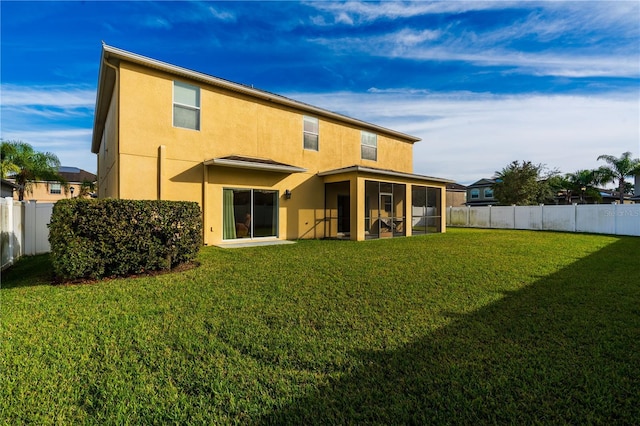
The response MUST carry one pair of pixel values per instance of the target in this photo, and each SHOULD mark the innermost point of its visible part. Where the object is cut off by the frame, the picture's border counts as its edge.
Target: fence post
(29, 228)
(10, 232)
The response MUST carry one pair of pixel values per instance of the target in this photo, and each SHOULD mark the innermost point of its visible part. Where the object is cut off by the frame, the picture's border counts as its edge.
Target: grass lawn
(471, 326)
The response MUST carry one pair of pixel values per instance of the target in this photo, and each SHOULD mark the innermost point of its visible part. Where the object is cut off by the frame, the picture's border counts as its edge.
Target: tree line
(527, 183)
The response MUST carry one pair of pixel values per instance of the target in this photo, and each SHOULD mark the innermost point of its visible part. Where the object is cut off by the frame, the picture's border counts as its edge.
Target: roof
(482, 182)
(69, 174)
(8, 183)
(241, 162)
(74, 174)
(112, 56)
(384, 172)
(456, 187)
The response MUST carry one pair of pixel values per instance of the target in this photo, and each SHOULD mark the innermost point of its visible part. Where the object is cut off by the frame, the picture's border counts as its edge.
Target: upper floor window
(310, 133)
(186, 106)
(475, 193)
(369, 145)
(55, 188)
(488, 193)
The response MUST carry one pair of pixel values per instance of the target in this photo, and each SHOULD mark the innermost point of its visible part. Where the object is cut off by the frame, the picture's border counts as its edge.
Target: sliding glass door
(249, 213)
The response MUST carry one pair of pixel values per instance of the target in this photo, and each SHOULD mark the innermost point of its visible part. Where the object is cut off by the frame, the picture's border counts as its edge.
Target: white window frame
(316, 133)
(53, 185)
(474, 193)
(488, 193)
(186, 106)
(365, 138)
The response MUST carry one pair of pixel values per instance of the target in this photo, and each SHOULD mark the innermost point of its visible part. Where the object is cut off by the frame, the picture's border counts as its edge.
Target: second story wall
(235, 124)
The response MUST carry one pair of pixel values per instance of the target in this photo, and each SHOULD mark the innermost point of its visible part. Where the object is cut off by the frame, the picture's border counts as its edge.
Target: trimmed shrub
(101, 238)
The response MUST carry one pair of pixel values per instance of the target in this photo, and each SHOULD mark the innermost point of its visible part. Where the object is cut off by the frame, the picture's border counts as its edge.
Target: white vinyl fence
(616, 219)
(23, 229)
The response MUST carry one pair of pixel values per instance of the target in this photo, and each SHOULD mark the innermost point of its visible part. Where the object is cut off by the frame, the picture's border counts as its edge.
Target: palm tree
(618, 169)
(7, 167)
(584, 182)
(26, 166)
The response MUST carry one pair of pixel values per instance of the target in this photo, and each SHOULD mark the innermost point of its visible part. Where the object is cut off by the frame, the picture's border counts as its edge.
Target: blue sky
(482, 83)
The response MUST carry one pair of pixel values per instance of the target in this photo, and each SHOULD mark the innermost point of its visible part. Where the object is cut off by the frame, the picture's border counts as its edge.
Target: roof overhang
(9, 183)
(254, 164)
(383, 172)
(111, 56)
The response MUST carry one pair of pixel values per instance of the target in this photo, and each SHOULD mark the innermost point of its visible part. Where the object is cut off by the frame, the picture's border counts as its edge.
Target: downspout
(116, 92)
(206, 227)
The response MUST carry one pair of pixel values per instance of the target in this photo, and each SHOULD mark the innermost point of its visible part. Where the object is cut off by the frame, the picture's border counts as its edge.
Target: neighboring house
(456, 195)
(607, 196)
(6, 188)
(611, 196)
(50, 192)
(260, 165)
(480, 193)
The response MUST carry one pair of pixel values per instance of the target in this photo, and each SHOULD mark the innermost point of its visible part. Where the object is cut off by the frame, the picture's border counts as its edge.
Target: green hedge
(101, 238)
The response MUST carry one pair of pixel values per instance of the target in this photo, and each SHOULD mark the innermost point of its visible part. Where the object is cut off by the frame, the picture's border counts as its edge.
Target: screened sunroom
(366, 203)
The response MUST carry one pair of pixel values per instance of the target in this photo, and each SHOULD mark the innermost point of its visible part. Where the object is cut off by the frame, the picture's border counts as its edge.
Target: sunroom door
(386, 215)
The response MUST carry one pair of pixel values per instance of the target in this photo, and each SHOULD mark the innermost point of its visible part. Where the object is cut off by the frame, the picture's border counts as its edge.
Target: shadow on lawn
(28, 271)
(564, 350)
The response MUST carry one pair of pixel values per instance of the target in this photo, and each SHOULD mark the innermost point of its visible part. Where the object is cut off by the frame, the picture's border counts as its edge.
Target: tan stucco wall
(234, 124)
(301, 216)
(148, 158)
(40, 193)
(108, 153)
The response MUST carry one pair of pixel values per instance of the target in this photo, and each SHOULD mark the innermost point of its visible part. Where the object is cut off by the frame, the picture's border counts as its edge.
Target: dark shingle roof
(456, 187)
(74, 174)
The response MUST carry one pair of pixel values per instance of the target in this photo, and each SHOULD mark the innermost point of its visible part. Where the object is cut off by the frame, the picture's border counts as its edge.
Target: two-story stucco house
(480, 193)
(261, 166)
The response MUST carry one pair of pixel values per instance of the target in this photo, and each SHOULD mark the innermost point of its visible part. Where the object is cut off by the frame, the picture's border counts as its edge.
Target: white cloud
(409, 44)
(469, 136)
(408, 37)
(56, 118)
(71, 145)
(222, 15)
(66, 96)
(551, 17)
(355, 12)
(570, 39)
(157, 22)
(47, 113)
